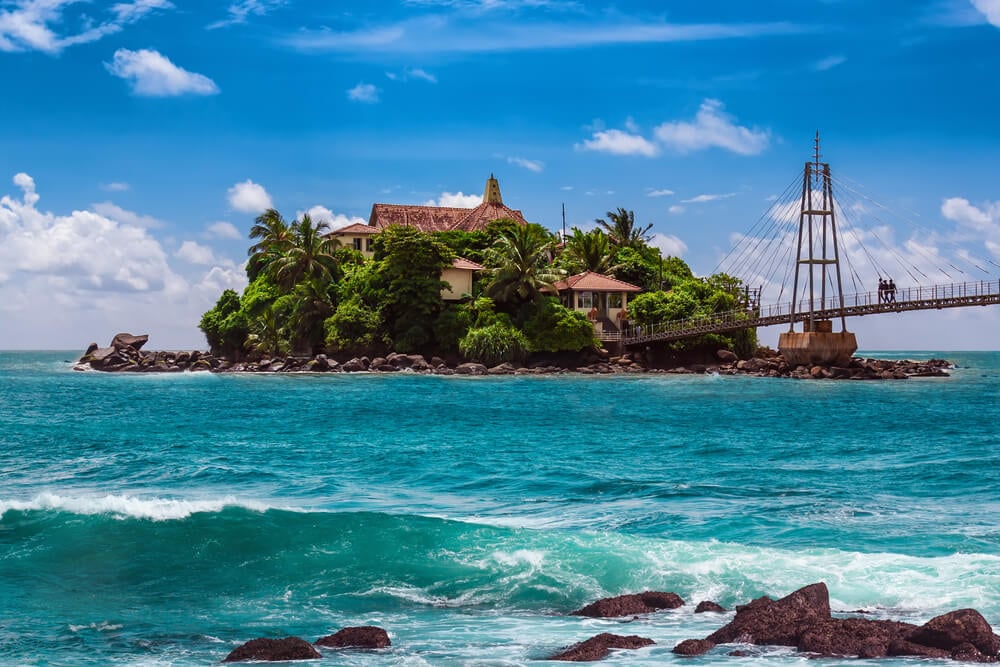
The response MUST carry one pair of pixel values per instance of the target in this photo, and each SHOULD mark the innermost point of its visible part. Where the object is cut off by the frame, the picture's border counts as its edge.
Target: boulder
(780, 622)
(128, 340)
(322, 363)
(709, 606)
(727, 356)
(862, 637)
(501, 369)
(90, 349)
(629, 605)
(470, 369)
(274, 650)
(600, 646)
(353, 366)
(691, 647)
(101, 355)
(368, 636)
(964, 626)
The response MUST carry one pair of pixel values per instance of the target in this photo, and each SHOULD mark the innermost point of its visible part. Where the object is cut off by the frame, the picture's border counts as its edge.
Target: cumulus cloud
(66, 280)
(531, 165)
(30, 25)
(151, 74)
(195, 253)
(619, 142)
(335, 220)
(668, 244)
(712, 127)
(223, 230)
(984, 222)
(659, 193)
(249, 197)
(119, 214)
(456, 200)
(365, 93)
(990, 9)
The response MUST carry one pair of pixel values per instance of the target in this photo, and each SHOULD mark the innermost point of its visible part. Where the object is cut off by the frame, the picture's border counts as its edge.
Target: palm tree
(521, 271)
(312, 306)
(310, 255)
(275, 237)
(620, 226)
(589, 251)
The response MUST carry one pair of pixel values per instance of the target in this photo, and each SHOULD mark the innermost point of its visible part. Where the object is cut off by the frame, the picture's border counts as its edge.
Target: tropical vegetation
(306, 294)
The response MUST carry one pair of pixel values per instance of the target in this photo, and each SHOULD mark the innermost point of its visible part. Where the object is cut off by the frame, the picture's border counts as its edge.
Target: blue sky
(142, 136)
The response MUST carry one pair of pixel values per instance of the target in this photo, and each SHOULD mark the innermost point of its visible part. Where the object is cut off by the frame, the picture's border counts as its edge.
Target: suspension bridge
(805, 244)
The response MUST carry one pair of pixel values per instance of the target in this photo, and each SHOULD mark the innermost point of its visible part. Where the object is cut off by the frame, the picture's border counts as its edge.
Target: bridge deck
(934, 297)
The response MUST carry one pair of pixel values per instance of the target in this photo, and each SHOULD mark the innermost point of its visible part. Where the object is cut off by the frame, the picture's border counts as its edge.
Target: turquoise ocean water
(163, 520)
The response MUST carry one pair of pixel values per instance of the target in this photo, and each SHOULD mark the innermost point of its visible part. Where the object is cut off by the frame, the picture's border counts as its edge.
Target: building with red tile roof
(604, 300)
(447, 218)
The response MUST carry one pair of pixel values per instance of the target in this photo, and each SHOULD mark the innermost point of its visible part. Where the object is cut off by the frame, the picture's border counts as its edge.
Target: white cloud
(668, 244)
(531, 165)
(334, 220)
(153, 75)
(566, 188)
(422, 74)
(659, 193)
(618, 142)
(990, 9)
(28, 25)
(196, 253)
(701, 199)
(241, 10)
(675, 210)
(118, 214)
(116, 186)
(365, 93)
(456, 200)
(249, 197)
(67, 280)
(223, 230)
(984, 222)
(829, 63)
(712, 127)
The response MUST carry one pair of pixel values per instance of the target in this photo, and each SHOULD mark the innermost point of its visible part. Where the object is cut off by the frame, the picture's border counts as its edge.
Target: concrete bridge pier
(818, 346)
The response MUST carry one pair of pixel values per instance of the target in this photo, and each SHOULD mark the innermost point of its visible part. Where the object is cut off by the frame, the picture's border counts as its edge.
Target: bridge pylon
(817, 260)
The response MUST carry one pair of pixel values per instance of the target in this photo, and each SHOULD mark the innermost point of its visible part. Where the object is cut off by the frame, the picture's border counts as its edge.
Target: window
(585, 300)
(357, 244)
(615, 300)
(369, 242)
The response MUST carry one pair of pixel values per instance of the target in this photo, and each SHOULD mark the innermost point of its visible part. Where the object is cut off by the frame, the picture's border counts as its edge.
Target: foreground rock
(709, 606)
(274, 650)
(802, 619)
(598, 647)
(367, 636)
(630, 605)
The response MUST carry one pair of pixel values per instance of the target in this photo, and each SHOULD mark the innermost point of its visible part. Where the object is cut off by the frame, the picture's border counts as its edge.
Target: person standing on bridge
(881, 291)
(890, 291)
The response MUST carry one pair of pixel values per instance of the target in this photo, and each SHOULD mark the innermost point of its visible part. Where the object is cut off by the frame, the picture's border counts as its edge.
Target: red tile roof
(595, 282)
(441, 218)
(356, 228)
(467, 264)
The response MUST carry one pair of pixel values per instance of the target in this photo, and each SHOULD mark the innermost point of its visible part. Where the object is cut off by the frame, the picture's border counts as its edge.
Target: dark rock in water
(470, 369)
(128, 340)
(708, 605)
(367, 636)
(862, 637)
(691, 647)
(948, 631)
(627, 605)
(600, 646)
(90, 349)
(353, 366)
(779, 622)
(901, 647)
(273, 650)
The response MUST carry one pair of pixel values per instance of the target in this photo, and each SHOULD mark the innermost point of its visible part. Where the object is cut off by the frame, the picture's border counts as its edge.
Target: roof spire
(491, 195)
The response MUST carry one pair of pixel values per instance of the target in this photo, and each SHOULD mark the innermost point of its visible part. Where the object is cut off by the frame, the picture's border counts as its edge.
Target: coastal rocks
(802, 619)
(858, 369)
(368, 636)
(630, 605)
(599, 646)
(727, 356)
(273, 650)
(709, 606)
(470, 369)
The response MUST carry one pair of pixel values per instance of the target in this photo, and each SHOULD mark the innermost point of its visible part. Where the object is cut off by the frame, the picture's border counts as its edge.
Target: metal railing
(930, 297)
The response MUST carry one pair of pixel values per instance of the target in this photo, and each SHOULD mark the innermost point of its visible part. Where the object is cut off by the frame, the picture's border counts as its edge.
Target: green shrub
(353, 327)
(495, 344)
(554, 328)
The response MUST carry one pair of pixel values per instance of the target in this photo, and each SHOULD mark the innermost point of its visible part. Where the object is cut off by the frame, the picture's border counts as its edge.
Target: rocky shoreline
(125, 355)
(802, 620)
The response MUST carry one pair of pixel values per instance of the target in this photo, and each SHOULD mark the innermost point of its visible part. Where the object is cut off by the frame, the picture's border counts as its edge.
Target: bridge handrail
(749, 317)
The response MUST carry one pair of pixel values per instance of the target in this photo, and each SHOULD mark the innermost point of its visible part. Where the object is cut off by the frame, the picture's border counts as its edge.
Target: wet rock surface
(629, 605)
(273, 650)
(600, 646)
(368, 636)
